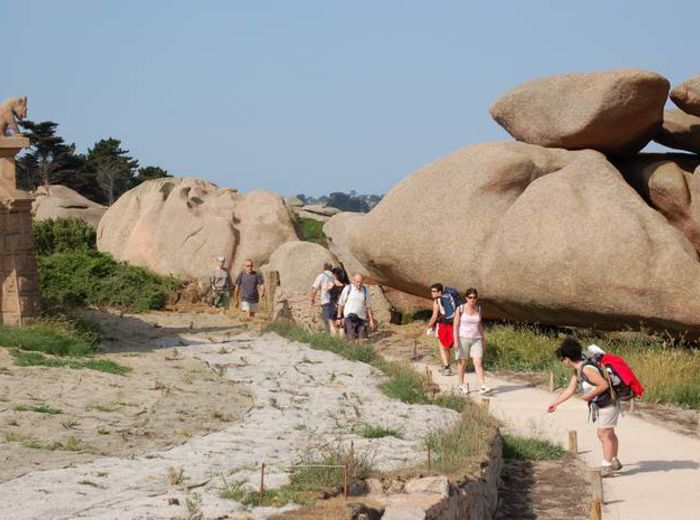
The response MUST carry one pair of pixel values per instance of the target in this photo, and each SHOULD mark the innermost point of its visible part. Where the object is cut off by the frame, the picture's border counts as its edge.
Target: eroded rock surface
(686, 95)
(58, 201)
(680, 131)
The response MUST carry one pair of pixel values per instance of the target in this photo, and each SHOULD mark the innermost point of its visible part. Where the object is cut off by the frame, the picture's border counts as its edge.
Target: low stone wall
(436, 498)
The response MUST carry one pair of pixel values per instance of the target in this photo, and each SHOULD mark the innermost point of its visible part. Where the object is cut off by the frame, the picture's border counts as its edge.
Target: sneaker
(606, 471)
(616, 465)
(484, 390)
(463, 389)
(445, 371)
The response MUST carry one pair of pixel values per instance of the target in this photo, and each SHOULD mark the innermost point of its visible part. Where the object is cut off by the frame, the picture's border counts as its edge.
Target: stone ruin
(19, 299)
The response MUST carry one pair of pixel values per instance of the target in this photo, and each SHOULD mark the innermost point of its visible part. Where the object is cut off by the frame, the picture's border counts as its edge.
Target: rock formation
(680, 131)
(687, 96)
(547, 235)
(57, 201)
(179, 226)
(615, 112)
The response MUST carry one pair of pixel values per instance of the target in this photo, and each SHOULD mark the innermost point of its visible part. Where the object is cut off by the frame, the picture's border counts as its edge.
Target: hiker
(323, 283)
(470, 341)
(221, 285)
(340, 280)
(354, 308)
(443, 315)
(249, 288)
(603, 408)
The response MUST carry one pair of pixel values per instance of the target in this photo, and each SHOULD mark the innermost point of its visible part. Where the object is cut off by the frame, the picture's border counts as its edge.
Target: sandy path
(302, 398)
(661, 477)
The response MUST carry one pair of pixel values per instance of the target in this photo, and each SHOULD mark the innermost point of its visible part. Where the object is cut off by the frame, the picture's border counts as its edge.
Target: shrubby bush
(62, 234)
(87, 277)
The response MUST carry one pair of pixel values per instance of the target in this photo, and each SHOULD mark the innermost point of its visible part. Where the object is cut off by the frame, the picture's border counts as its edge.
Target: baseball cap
(221, 259)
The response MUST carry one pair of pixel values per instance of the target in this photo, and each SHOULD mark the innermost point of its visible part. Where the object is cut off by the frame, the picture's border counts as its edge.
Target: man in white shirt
(323, 283)
(354, 306)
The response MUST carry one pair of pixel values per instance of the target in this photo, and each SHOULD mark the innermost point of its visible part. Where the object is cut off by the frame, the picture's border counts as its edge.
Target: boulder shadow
(650, 466)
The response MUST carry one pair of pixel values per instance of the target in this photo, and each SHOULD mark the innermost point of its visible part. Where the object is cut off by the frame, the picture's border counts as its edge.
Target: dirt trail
(661, 474)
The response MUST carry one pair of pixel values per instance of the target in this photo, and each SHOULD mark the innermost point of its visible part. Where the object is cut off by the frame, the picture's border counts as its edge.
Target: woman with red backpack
(604, 408)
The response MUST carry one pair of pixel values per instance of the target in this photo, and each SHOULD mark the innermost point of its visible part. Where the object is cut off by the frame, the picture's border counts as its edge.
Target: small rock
(432, 485)
(172, 501)
(374, 486)
(404, 513)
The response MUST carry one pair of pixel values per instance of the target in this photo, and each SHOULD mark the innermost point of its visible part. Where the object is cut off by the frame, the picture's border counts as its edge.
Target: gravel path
(303, 399)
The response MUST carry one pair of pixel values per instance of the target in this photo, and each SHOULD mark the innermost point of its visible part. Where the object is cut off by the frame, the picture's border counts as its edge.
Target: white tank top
(469, 324)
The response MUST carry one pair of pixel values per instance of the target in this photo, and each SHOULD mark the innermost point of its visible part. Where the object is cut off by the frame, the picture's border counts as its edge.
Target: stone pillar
(19, 278)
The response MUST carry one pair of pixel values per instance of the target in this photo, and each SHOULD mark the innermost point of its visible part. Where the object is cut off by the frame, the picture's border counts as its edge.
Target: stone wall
(19, 279)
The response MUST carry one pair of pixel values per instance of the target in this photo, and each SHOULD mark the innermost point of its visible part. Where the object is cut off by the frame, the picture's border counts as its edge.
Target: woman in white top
(471, 342)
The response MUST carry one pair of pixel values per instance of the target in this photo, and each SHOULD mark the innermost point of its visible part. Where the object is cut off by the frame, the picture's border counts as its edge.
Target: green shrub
(43, 337)
(311, 230)
(84, 277)
(377, 432)
(62, 234)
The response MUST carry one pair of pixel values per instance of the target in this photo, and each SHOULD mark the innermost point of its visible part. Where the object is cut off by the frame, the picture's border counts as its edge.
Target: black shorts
(328, 311)
(355, 329)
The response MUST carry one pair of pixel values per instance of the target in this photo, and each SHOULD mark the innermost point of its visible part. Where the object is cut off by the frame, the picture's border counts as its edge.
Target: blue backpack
(450, 300)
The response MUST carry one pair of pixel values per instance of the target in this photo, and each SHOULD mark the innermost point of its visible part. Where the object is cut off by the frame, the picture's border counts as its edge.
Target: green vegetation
(34, 359)
(516, 447)
(404, 383)
(62, 234)
(44, 337)
(71, 443)
(311, 230)
(41, 408)
(453, 449)
(85, 277)
(669, 370)
(377, 432)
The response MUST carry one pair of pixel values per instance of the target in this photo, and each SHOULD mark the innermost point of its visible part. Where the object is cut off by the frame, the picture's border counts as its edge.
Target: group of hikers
(345, 307)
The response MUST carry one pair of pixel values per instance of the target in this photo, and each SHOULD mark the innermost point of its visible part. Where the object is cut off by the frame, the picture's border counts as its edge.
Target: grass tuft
(311, 230)
(35, 359)
(41, 408)
(377, 432)
(516, 447)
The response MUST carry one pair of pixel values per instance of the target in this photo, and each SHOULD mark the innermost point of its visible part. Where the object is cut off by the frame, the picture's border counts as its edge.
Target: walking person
(470, 341)
(603, 408)
(340, 281)
(441, 323)
(323, 283)
(249, 288)
(221, 284)
(354, 308)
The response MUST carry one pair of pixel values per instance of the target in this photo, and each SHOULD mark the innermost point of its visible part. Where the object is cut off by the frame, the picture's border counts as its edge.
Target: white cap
(221, 259)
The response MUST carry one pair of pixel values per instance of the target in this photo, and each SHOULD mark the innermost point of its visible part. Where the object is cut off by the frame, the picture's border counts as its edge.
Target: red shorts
(445, 333)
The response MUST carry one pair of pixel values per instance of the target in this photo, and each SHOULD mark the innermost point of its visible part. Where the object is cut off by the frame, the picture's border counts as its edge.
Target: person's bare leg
(479, 369)
(609, 442)
(332, 329)
(445, 356)
(461, 366)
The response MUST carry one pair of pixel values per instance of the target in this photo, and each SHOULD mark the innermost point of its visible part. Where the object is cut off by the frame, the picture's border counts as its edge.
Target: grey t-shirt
(221, 280)
(248, 286)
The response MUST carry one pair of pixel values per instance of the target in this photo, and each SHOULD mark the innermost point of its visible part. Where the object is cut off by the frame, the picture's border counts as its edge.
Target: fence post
(485, 403)
(573, 442)
(262, 484)
(430, 458)
(345, 481)
(273, 280)
(596, 510)
(597, 485)
(550, 383)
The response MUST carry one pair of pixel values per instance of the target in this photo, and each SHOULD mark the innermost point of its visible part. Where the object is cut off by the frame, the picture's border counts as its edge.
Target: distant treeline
(344, 201)
(102, 174)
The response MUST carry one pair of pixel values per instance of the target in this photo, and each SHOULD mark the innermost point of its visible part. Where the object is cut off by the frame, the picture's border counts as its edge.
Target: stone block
(13, 319)
(374, 486)
(399, 512)
(431, 485)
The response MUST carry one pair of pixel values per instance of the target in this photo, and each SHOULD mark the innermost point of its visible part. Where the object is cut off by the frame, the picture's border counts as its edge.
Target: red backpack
(623, 381)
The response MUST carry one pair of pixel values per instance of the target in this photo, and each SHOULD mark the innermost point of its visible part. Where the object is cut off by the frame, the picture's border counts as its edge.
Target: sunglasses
(472, 297)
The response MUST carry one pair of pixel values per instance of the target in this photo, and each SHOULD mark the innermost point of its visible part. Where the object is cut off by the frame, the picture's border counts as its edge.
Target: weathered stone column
(19, 279)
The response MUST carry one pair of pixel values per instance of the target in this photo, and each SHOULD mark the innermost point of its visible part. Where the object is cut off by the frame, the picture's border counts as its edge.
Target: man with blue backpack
(445, 302)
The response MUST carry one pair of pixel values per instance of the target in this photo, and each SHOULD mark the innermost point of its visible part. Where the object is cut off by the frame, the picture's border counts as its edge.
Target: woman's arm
(565, 394)
(457, 318)
(595, 378)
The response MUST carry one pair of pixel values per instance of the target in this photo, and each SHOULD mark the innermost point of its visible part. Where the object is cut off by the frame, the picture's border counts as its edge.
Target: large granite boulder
(180, 225)
(547, 235)
(317, 212)
(58, 201)
(671, 184)
(687, 95)
(615, 112)
(336, 231)
(680, 131)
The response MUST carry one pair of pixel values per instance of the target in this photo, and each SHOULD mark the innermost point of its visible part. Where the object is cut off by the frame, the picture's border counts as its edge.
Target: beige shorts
(249, 307)
(607, 417)
(469, 348)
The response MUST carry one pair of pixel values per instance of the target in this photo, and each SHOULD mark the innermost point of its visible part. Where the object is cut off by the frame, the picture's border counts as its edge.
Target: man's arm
(261, 286)
(341, 301)
(237, 291)
(434, 317)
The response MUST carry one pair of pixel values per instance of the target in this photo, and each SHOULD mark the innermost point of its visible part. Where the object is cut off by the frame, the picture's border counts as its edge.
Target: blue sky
(314, 96)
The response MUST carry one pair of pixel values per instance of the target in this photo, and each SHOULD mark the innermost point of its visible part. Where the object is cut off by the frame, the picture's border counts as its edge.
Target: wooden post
(345, 481)
(573, 442)
(429, 375)
(273, 280)
(596, 510)
(430, 458)
(632, 406)
(550, 384)
(597, 485)
(415, 349)
(352, 457)
(262, 484)
(485, 403)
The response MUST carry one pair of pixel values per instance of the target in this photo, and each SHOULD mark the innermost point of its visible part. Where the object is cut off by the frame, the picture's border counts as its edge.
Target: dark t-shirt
(248, 286)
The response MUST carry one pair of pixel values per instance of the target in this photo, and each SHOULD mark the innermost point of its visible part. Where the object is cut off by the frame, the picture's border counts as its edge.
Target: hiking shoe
(463, 389)
(446, 371)
(484, 390)
(616, 465)
(606, 471)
